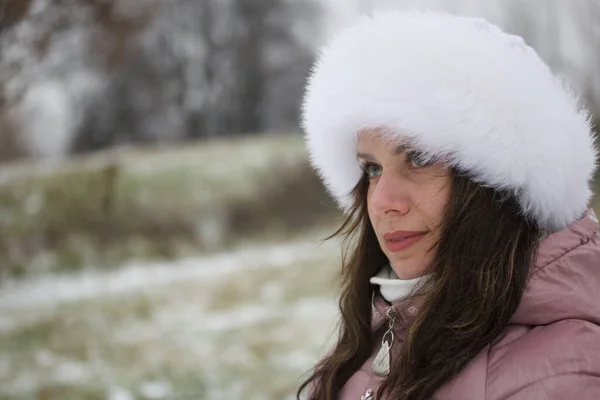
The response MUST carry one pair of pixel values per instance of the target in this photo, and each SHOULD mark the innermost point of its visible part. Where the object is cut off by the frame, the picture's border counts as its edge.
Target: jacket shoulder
(556, 361)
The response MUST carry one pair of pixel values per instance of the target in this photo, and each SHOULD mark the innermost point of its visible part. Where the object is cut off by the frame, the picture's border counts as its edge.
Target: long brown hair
(484, 255)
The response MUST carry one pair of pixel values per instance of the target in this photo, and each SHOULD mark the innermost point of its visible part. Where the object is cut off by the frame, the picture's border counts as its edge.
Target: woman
(463, 166)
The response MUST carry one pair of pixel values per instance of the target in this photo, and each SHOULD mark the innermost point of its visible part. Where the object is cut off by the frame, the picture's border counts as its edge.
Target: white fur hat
(458, 87)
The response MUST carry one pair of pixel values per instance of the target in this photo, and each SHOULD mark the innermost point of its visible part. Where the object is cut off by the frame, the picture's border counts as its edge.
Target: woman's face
(406, 199)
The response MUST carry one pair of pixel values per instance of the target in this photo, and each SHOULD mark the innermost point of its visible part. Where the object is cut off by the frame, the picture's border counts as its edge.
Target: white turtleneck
(393, 288)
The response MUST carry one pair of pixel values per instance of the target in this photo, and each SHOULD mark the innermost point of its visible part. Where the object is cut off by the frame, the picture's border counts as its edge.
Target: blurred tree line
(81, 75)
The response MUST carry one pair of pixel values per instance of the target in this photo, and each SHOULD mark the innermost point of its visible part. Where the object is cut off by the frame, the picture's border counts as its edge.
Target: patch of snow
(71, 372)
(236, 318)
(44, 359)
(314, 306)
(236, 353)
(298, 360)
(119, 393)
(24, 381)
(51, 290)
(155, 390)
(236, 390)
(272, 292)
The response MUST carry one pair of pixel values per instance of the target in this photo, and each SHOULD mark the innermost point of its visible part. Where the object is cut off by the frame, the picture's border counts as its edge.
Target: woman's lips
(400, 240)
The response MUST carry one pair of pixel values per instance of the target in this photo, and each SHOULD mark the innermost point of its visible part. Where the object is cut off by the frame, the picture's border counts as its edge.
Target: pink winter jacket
(550, 350)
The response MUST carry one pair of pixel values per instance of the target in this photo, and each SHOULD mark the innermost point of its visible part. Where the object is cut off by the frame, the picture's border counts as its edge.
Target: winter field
(245, 324)
(242, 312)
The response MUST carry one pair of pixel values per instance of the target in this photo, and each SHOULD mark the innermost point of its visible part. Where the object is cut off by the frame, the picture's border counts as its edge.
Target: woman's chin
(406, 270)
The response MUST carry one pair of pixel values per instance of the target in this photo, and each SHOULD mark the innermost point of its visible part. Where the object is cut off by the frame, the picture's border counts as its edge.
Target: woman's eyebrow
(397, 151)
(365, 156)
(400, 149)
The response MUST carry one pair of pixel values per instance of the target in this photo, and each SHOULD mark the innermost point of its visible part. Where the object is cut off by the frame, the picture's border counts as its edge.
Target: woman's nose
(390, 195)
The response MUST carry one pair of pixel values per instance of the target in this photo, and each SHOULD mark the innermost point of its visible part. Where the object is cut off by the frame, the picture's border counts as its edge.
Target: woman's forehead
(377, 139)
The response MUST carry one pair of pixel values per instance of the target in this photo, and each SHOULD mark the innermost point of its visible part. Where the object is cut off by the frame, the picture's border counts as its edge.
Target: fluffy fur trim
(456, 87)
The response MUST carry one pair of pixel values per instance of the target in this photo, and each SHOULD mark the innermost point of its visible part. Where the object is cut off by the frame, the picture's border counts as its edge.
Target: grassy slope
(154, 203)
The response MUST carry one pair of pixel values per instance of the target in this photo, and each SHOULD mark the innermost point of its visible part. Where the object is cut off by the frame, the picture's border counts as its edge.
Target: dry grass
(155, 204)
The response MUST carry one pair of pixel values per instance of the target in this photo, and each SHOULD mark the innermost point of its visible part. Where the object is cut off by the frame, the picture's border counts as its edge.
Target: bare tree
(206, 68)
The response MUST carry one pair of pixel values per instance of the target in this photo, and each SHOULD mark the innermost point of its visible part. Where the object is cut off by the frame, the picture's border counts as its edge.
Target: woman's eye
(372, 170)
(417, 160)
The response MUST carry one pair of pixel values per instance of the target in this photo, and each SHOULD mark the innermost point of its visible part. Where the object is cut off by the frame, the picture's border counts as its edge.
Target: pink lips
(400, 240)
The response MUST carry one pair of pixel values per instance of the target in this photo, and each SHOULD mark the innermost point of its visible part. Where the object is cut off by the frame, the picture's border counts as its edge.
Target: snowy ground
(242, 325)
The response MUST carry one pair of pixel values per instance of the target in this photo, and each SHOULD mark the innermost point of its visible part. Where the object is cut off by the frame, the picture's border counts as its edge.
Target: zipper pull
(381, 364)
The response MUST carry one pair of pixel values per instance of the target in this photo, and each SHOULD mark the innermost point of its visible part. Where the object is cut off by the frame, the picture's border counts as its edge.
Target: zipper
(391, 316)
